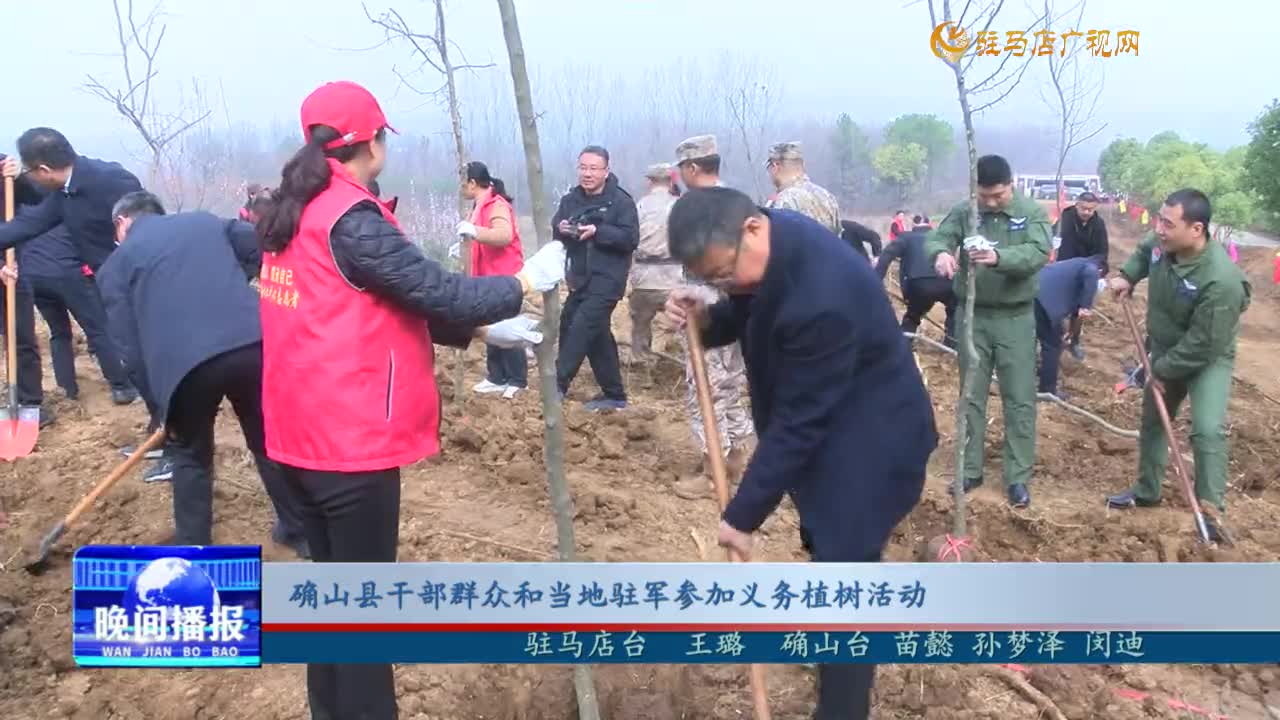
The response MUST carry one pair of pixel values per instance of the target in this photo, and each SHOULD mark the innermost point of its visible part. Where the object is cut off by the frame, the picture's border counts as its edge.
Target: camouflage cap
(786, 151)
(696, 147)
(658, 171)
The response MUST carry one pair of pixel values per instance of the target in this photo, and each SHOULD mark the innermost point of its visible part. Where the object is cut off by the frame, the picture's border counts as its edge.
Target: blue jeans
(1049, 334)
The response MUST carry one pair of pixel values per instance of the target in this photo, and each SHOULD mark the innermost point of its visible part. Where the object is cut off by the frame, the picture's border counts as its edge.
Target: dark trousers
(350, 517)
(1050, 336)
(921, 295)
(237, 376)
(61, 298)
(30, 391)
(585, 335)
(507, 366)
(844, 690)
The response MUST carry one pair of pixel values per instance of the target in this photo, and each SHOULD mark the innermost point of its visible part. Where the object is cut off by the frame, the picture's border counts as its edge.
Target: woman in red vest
(350, 309)
(495, 250)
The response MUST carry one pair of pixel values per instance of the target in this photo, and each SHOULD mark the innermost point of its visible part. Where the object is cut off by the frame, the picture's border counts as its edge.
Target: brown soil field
(485, 499)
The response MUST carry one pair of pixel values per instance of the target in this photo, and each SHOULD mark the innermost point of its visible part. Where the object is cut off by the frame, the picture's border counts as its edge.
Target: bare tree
(974, 98)
(1074, 96)
(139, 43)
(552, 411)
(432, 51)
(752, 100)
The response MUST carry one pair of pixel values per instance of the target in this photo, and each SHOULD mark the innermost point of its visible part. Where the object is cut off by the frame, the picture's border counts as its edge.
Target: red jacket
(488, 259)
(896, 228)
(348, 381)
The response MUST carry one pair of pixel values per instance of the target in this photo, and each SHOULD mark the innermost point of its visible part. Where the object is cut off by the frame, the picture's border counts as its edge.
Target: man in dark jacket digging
(1067, 289)
(833, 388)
(1084, 235)
(600, 227)
(173, 273)
(921, 286)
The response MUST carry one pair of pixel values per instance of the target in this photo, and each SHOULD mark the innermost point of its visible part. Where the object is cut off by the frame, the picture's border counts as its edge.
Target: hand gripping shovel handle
(98, 491)
(697, 356)
(1179, 464)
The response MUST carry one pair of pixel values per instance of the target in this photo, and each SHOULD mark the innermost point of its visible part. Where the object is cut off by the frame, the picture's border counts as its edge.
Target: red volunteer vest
(348, 381)
(487, 259)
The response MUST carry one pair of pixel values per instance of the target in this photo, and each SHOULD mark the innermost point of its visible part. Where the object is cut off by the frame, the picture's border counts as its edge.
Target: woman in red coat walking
(350, 309)
(495, 250)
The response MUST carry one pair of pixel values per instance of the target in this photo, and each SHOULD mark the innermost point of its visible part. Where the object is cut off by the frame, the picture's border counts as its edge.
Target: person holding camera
(600, 227)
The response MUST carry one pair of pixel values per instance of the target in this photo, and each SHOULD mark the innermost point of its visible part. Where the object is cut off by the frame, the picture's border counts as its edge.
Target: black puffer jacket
(603, 262)
(372, 254)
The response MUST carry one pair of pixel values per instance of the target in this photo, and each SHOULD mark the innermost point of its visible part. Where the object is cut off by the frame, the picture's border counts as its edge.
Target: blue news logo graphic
(188, 606)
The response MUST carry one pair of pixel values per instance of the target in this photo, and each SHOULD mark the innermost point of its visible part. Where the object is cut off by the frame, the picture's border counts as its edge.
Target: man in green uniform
(1008, 249)
(1195, 296)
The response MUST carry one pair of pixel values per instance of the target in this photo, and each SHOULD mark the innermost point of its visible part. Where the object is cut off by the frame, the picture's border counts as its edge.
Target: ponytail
(478, 172)
(500, 190)
(304, 177)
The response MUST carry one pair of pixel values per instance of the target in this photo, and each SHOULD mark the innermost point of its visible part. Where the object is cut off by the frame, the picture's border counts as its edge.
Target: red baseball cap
(346, 107)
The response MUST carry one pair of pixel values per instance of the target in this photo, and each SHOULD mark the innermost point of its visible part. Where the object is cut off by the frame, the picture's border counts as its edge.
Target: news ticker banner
(146, 611)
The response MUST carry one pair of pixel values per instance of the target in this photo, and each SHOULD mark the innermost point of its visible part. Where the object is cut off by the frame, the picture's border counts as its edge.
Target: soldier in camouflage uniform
(698, 159)
(796, 191)
(654, 273)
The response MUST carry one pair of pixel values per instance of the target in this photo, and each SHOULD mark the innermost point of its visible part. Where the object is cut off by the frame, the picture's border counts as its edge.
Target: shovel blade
(18, 435)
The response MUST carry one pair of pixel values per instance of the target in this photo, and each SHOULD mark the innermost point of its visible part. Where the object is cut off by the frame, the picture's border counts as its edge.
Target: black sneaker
(1019, 496)
(1077, 352)
(160, 471)
(1127, 500)
(124, 396)
(971, 483)
(47, 416)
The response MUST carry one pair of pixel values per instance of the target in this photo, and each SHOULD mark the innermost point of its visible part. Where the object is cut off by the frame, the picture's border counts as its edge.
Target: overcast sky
(1204, 69)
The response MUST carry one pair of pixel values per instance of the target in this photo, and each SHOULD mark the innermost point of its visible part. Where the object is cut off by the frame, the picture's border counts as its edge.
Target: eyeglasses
(722, 278)
(590, 168)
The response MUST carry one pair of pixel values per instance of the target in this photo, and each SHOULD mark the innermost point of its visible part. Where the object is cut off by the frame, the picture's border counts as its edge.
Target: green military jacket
(1021, 233)
(1193, 306)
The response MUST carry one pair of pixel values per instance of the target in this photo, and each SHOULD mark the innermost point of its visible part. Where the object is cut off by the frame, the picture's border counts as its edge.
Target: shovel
(38, 565)
(1179, 464)
(19, 427)
(759, 692)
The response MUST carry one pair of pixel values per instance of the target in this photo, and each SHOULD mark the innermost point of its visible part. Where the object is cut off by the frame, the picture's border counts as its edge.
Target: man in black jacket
(1084, 235)
(833, 388)
(598, 223)
(856, 234)
(81, 192)
(921, 286)
(62, 291)
(170, 274)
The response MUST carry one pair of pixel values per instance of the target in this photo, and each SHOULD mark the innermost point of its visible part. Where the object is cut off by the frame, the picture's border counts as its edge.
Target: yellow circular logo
(949, 41)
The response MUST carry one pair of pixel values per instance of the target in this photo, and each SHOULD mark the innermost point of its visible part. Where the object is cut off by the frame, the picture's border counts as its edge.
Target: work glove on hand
(977, 243)
(545, 269)
(455, 250)
(466, 229)
(520, 331)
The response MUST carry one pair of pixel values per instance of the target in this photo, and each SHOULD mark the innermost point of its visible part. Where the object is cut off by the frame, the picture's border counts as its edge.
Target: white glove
(455, 250)
(1102, 285)
(545, 269)
(466, 229)
(1057, 242)
(978, 243)
(520, 331)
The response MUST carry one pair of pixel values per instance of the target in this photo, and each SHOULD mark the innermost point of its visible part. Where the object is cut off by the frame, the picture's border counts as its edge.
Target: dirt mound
(485, 499)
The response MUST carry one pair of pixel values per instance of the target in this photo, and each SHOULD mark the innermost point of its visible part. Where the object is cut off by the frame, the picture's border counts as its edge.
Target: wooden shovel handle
(121, 470)
(697, 356)
(11, 299)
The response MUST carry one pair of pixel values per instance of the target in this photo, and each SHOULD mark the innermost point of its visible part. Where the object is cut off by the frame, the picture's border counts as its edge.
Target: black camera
(588, 216)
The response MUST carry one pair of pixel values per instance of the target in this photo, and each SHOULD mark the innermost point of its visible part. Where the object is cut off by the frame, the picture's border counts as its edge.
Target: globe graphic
(170, 581)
